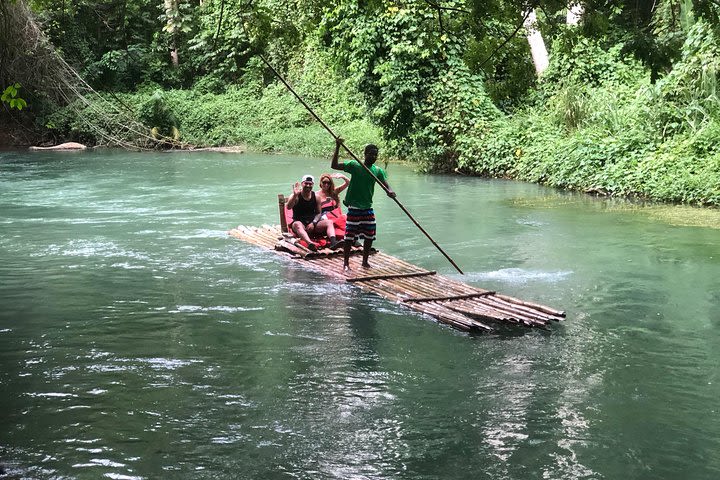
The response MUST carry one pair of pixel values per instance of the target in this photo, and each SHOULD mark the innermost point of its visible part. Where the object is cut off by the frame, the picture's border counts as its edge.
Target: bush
(597, 125)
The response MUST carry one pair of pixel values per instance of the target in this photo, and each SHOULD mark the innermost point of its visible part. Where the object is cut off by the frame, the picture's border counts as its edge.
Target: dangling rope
(45, 70)
(280, 77)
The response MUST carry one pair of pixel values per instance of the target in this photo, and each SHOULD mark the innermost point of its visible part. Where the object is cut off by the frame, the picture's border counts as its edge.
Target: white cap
(307, 178)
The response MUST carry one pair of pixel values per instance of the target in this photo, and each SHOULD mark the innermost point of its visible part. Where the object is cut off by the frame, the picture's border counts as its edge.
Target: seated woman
(307, 213)
(330, 201)
(329, 195)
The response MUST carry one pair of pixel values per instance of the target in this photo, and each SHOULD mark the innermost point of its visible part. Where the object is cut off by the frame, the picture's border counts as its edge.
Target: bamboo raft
(449, 301)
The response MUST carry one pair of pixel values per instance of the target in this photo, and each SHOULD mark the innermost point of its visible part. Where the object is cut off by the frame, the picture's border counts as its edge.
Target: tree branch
(510, 37)
(217, 33)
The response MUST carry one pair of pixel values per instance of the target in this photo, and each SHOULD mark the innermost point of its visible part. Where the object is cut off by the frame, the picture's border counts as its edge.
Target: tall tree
(172, 25)
(536, 42)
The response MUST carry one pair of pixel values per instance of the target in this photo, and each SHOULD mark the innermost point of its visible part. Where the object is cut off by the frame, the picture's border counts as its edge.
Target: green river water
(139, 341)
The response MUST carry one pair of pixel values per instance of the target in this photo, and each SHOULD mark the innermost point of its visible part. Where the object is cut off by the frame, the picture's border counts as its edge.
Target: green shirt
(362, 184)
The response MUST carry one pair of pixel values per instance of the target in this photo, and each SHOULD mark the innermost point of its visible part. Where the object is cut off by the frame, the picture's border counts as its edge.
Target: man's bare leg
(327, 228)
(346, 254)
(366, 252)
(300, 231)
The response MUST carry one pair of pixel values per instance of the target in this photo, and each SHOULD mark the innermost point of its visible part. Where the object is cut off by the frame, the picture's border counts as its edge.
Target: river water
(138, 340)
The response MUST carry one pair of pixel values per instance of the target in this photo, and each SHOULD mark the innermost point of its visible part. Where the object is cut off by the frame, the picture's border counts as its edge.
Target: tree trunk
(174, 55)
(173, 16)
(537, 44)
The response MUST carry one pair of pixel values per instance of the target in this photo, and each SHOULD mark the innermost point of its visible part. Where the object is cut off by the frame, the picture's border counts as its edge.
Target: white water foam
(202, 233)
(291, 335)
(52, 395)
(515, 276)
(88, 248)
(118, 476)
(219, 308)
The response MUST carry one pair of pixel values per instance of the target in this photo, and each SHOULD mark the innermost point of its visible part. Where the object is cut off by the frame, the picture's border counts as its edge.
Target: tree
(408, 62)
(173, 23)
(536, 42)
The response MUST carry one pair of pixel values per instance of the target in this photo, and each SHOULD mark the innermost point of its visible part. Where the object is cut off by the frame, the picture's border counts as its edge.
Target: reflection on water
(138, 341)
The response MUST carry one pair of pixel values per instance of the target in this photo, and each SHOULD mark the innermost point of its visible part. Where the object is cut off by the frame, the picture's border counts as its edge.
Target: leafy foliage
(590, 62)
(612, 132)
(10, 96)
(156, 113)
(411, 72)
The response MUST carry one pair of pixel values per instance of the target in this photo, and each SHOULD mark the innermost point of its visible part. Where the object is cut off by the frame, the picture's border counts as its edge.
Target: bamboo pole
(521, 309)
(448, 297)
(390, 275)
(441, 314)
(402, 207)
(282, 244)
(537, 306)
(283, 219)
(514, 313)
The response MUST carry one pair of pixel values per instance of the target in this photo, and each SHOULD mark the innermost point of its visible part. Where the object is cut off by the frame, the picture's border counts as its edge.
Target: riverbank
(261, 119)
(629, 162)
(622, 164)
(620, 148)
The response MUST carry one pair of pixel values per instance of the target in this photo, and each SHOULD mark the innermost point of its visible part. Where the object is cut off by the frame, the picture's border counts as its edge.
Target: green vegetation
(616, 133)
(264, 117)
(11, 98)
(628, 106)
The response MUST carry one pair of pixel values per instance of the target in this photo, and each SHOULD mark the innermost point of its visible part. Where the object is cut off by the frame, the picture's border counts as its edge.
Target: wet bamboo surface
(457, 304)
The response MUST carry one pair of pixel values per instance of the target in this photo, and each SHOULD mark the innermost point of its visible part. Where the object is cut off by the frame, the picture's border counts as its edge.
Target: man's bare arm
(390, 192)
(290, 204)
(335, 164)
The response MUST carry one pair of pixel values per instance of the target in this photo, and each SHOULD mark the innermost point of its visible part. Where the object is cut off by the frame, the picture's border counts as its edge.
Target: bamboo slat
(389, 275)
(515, 309)
(285, 245)
(536, 306)
(449, 297)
